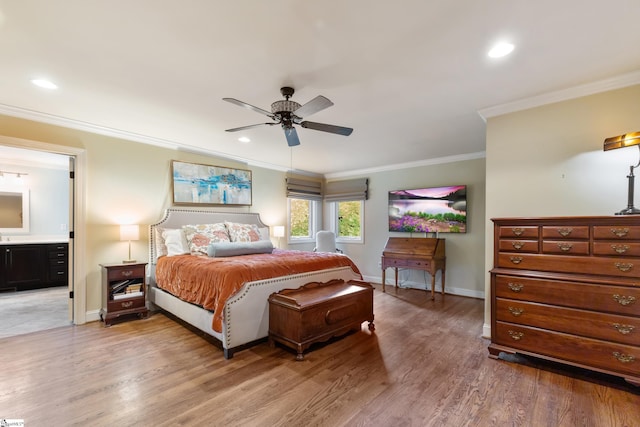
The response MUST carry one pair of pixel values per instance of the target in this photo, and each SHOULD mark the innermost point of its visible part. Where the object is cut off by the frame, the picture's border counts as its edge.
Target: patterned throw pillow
(242, 232)
(200, 236)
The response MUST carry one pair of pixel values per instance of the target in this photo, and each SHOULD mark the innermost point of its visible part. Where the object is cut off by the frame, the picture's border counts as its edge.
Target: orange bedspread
(209, 282)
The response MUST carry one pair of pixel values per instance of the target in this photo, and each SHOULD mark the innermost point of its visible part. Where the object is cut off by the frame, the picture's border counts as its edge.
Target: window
(348, 221)
(303, 216)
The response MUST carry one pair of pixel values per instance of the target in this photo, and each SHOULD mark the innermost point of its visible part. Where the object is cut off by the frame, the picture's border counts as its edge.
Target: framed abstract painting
(196, 184)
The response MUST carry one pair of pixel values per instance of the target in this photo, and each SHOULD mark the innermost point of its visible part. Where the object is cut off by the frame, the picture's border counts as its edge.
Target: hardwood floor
(425, 365)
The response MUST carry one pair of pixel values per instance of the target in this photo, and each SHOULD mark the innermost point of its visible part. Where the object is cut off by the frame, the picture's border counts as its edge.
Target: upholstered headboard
(176, 218)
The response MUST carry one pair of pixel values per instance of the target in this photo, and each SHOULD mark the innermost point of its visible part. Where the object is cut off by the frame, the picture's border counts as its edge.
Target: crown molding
(40, 117)
(613, 83)
(416, 164)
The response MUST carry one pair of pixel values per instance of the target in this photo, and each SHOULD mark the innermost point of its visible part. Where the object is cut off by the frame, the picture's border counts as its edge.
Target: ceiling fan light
(284, 106)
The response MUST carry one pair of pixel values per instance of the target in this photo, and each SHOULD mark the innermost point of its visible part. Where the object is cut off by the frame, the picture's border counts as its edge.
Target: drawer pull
(625, 267)
(517, 231)
(623, 300)
(515, 259)
(517, 245)
(564, 232)
(127, 273)
(620, 249)
(517, 336)
(623, 329)
(565, 247)
(515, 287)
(127, 304)
(624, 358)
(516, 311)
(620, 232)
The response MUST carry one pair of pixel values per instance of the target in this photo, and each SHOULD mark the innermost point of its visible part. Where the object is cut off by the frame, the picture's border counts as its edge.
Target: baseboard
(486, 331)
(92, 316)
(417, 285)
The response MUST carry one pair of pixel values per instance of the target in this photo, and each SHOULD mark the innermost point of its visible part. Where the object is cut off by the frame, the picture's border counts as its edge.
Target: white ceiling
(409, 76)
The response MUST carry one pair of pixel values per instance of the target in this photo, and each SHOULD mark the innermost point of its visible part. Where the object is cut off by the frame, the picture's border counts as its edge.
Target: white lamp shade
(130, 232)
(278, 231)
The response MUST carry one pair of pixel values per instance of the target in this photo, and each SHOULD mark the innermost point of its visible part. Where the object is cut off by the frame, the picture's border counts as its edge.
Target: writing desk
(426, 254)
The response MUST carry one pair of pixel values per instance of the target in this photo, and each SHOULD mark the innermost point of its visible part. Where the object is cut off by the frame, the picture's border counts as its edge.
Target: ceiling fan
(287, 113)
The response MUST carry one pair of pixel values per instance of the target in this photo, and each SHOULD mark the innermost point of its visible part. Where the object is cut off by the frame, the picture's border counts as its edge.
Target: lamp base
(629, 211)
(129, 261)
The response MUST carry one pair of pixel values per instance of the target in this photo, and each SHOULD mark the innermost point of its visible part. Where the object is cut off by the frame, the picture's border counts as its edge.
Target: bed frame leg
(228, 353)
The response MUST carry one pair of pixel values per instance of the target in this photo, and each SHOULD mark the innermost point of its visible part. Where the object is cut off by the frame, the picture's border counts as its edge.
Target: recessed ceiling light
(501, 49)
(44, 83)
(244, 139)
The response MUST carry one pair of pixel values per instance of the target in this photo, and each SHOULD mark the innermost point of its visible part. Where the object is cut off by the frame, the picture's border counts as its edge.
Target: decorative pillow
(200, 236)
(161, 246)
(225, 249)
(175, 241)
(243, 232)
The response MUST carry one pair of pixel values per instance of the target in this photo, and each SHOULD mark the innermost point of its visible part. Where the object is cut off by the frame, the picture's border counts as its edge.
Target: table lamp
(129, 233)
(621, 141)
(278, 231)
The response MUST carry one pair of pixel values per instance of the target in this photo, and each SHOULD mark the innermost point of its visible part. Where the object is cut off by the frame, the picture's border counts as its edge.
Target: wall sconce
(129, 233)
(278, 231)
(621, 141)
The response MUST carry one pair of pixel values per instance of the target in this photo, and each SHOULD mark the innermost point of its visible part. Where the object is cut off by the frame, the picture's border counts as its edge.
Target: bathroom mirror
(14, 211)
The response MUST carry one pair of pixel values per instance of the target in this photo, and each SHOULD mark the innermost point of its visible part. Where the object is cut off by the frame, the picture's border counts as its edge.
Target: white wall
(48, 196)
(549, 161)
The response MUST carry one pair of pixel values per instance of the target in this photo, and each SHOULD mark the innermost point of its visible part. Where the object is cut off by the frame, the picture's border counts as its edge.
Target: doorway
(73, 296)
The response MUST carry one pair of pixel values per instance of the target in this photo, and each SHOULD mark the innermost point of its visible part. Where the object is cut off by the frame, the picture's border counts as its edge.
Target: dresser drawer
(616, 232)
(568, 247)
(512, 245)
(606, 298)
(125, 272)
(609, 327)
(526, 231)
(565, 232)
(616, 248)
(125, 304)
(419, 264)
(620, 358)
(608, 266)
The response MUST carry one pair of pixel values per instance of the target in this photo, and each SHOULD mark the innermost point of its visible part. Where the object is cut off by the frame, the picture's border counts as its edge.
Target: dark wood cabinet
(123, 291)
(32, 266)
(566, 289)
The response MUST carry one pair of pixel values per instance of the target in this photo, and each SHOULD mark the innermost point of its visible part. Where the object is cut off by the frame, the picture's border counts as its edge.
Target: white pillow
(176, 242)
(264, 233)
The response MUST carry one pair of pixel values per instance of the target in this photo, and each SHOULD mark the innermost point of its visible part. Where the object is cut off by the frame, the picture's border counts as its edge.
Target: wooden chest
(317, 311)
(567, 289)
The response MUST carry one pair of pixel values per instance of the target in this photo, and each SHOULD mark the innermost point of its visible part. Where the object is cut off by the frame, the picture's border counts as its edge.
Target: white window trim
(334, 224)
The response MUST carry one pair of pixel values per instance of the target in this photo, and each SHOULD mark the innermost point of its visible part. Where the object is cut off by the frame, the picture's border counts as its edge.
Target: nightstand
(123, 291)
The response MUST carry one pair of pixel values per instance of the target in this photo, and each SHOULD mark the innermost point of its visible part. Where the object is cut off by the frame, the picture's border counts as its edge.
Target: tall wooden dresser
(567, 289)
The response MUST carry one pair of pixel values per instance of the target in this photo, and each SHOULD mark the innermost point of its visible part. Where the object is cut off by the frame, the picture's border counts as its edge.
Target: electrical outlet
(63, 227)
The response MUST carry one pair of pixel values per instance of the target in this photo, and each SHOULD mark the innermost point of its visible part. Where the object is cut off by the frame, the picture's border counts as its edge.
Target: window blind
(298, 188)
(347, 190)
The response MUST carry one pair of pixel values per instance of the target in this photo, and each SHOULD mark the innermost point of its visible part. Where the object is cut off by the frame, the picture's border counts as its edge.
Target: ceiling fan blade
(248, 106)
(249, 127)
(292, 136)
(316, 104)
(340, 130)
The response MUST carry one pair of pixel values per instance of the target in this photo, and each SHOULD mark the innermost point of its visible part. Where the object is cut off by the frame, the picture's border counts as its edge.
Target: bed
(242, 315)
